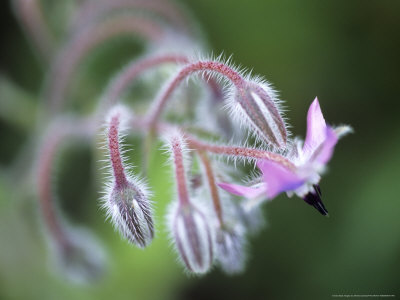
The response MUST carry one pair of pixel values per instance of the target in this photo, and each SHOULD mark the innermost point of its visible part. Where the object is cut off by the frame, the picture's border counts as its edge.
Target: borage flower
(300, 172)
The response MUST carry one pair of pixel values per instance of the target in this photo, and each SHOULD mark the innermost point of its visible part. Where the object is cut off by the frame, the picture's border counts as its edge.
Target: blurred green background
(346, 52)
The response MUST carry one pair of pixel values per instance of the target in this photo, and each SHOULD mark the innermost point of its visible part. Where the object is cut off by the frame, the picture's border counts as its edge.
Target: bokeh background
(346, 52)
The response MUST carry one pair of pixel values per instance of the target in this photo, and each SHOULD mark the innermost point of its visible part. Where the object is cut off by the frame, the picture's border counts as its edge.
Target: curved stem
(131, 72)
(57, 134)
(87, 40)
(91, 10)
(46, 198)
(137, 68)
(201, 66)
(235, 151)
(30, 15)
(212, 185)
(240, 152)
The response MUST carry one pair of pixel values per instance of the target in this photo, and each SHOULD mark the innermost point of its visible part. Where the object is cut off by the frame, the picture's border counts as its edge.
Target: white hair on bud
(197, 259)
(128, 207)
(228, 88)
(230, 244)
(230, 237)
(190, 231)
(245, 121)
(132, 219)
(274, 94)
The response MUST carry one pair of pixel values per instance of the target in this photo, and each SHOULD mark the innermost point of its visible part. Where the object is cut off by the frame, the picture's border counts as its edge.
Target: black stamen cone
(314, 199)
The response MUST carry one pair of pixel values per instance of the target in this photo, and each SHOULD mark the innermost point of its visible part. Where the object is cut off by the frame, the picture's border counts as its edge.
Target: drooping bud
(230, 246)
(257, 109)
(127, 203)
(192, 237)
(131, 213)
(188, 224)
(80, 257)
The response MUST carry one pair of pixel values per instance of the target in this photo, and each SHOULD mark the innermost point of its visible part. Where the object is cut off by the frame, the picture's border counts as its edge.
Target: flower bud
(230, 246)
(192, 237)
(130, 210)
(259, 111)
(127, 203)
(80, 257)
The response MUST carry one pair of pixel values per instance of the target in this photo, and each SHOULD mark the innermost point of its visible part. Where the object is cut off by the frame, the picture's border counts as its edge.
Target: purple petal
(324, 153)
(244, 191)
(278, 178)
(316, 127)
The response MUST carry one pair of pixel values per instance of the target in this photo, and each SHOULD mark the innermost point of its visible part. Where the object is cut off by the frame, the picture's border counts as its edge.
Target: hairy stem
(201, 66)
(212, 185)
(114, 149)
(131, 72)
(195, 143)
(177, 152)
(240, 152)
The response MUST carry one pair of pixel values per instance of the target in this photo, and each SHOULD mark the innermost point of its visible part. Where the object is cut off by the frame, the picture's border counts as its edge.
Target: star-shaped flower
(307, 161)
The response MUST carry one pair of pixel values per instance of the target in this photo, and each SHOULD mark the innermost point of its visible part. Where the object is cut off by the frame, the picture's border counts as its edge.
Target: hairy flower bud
(80, 257)
(192, 237)
(230, 244)
(127, 203)
(256, 107)
(130, 211)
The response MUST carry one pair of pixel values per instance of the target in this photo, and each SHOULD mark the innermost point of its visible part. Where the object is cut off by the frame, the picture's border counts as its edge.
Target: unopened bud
(80, 257)
(130, 211)
(127, 203)
(261, 114)
(230, 246)
(192, 238)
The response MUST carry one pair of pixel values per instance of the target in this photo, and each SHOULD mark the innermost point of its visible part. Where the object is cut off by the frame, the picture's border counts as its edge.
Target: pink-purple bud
(192, 237)
(255, 107)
